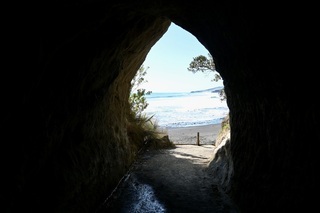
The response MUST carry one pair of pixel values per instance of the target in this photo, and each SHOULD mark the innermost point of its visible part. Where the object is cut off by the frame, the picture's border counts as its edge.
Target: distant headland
(214, 89)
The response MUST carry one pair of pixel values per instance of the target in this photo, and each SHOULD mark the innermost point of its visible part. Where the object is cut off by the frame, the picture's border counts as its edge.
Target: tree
(141, 128)
(137, 99)
(203, 64)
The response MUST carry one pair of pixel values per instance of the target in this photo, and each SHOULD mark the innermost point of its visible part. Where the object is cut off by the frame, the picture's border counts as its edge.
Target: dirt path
(169, 180)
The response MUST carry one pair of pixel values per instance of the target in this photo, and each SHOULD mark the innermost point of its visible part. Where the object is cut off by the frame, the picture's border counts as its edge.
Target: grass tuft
(144, 130)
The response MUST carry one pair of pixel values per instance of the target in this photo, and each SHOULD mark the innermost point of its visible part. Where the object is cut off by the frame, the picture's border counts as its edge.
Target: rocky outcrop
(221, 165)
(65, 95)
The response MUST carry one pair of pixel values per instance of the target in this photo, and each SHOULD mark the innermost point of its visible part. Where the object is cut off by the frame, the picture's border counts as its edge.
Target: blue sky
(168, 60)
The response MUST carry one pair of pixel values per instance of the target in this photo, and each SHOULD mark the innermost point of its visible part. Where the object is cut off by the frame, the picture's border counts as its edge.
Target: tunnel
(66, 84)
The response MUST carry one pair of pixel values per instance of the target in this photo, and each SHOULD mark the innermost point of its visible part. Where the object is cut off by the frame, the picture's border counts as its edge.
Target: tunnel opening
(179, 97)
(65, 103)
(183, 171)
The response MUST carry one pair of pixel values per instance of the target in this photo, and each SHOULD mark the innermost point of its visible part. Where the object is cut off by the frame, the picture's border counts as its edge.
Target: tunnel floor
(169, 180)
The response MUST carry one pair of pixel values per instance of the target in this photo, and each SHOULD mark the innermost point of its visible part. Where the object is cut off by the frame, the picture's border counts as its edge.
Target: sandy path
(169, 180)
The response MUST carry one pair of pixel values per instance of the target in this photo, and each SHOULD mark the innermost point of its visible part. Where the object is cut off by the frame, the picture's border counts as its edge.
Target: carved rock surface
(65, 88)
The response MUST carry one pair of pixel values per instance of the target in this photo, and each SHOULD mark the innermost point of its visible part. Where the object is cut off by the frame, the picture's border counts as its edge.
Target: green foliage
(139, 79)
(137, 99)
(222, 95)
(203, 64)
(141, 128)
(224, 131)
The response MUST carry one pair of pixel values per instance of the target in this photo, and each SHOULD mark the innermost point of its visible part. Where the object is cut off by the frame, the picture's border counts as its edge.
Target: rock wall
(66, 84)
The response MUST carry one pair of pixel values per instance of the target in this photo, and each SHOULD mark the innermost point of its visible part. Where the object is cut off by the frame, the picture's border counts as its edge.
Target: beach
(188, 135)
(176, 110)
(182, 115)
(175, 179)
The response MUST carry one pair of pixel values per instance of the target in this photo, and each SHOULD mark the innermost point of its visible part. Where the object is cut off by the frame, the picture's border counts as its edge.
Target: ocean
(185, 109)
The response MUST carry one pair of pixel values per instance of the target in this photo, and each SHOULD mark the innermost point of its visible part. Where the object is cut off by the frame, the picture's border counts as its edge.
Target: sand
(188, 135)
(174, 179)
